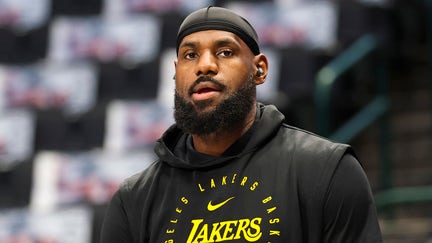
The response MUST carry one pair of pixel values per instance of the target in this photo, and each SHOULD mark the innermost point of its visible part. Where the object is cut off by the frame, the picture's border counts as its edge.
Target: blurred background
(86, 88)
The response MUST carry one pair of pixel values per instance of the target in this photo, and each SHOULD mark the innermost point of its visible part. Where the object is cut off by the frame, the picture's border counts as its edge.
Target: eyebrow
(226, 42)
(218, 43)
(188, 44)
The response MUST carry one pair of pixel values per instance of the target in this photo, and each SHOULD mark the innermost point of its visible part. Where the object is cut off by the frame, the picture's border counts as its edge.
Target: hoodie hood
(268, 122)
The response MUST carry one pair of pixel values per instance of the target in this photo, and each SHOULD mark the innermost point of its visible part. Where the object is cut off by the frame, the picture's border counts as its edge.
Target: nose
(207, 64)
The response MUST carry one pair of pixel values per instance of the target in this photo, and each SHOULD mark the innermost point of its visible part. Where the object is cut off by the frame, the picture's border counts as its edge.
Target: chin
(204, 105)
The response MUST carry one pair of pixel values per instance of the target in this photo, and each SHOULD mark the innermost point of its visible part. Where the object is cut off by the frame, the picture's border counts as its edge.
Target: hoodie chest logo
(224, 226)
(213, 207)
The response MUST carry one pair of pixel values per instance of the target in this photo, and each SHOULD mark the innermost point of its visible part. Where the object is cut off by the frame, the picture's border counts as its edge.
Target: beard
(227, 115)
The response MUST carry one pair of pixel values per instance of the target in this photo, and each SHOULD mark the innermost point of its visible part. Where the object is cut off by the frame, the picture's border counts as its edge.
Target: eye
(190, 55)
(225, 53)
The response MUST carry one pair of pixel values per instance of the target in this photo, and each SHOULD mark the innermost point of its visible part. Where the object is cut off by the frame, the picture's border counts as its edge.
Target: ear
(175, 69)
(261, 68)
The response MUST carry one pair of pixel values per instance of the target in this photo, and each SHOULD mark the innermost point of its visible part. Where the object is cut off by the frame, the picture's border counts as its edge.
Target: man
(230, 169)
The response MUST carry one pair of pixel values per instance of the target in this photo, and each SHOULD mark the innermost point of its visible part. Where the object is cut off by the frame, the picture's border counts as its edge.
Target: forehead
(212, 37)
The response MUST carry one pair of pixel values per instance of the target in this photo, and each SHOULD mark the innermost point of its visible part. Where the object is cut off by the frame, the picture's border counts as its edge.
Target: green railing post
(327, 76)
(428, 4)
(403, 195)
(386, 165)
(377, 108)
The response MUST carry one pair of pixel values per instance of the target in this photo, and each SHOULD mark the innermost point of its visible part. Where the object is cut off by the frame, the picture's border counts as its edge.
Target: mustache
(206, 78)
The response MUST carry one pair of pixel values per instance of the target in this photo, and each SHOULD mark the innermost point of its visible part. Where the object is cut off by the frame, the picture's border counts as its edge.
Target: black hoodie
(275, 184)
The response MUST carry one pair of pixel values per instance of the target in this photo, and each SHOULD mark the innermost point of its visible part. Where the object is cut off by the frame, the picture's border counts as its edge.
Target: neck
(216, 143)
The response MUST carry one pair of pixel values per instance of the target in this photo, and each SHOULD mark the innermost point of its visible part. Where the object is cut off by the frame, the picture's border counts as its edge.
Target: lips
(205, 90)
(205, 87)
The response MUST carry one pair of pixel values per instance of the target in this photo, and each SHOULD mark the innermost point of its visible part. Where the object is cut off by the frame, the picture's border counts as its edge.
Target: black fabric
(23, 47)
(286, 185)
(217, 18)
(56, 130)
(76, 7)
(16, 185)
(117, 81)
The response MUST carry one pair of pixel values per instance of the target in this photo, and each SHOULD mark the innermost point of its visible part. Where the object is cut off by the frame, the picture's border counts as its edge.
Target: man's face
(214, 81)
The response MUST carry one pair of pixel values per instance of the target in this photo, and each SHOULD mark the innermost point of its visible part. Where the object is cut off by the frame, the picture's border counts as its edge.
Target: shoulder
(312, 158)
(122, 218)
(140, 181)
(349, 209)
(137, 189)
(312, 146)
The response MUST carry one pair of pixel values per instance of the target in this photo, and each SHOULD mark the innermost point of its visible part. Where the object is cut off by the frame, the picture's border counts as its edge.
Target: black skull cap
(218, 18)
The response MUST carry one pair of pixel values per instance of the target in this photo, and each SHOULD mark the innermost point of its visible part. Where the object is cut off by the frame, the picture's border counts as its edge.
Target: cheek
(240, 80)
(181, 87)
(239, 72)
(184, 78)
